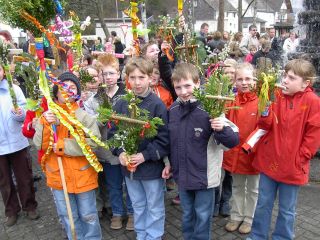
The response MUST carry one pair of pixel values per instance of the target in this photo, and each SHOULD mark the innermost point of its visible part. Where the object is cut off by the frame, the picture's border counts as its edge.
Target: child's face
(244, 80)
(109, 76)
(155, 77)
(139, 82)
(152, 52)
(293, 83)
(93, 73)
(230, 72)
(1, 73)
(72, 87)
(184, 88)
(253, 51)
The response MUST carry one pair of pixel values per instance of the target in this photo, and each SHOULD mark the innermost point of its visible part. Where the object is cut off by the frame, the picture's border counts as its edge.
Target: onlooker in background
(118, 48)
(249, 57)
(216, 44)
(98, 46)
(276, 48)
(250, 39)
(263, 58)
(234, 46)
(204, 29)
(291, 43)
(226, 37)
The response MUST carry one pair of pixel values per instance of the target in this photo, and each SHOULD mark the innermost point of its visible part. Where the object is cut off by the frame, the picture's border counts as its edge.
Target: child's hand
(50, 117)
(165, 45)
(217, 124)
(123, 159)
(166, 172)
(136, 159)
(17, 112)
(34, 122)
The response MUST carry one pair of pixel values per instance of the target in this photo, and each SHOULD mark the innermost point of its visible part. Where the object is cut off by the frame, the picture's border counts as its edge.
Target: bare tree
(240, 15)
(221, 16)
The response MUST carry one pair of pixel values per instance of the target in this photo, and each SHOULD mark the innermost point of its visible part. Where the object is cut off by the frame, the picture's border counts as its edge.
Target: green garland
(130, 130)
(42, 10)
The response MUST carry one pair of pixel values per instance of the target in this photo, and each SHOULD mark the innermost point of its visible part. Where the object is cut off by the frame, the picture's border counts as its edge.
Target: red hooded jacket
(292, 138)
(246, 118)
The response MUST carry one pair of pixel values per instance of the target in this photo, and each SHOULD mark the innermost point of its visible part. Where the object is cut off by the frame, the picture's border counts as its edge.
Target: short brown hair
(144, 65)
(185, 71)
(302, 68)
(217, 35)
(145, 47)
(107, 60)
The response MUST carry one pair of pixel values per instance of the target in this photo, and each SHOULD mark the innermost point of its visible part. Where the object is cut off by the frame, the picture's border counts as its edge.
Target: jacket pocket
(53, 176)
(85, 175)
(301, 163)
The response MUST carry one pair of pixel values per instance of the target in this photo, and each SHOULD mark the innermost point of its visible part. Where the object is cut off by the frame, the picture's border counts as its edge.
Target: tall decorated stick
(180, 7)
(40, 54)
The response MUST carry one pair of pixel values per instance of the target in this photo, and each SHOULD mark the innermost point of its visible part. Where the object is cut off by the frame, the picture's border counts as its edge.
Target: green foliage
(28, 71)
(130, 131)
(42, 10)
(4, 53)
(85, 78)
(217, 85)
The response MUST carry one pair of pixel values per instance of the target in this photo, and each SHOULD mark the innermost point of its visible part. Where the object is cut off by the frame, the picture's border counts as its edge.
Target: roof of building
(227, 5)
(250, 20)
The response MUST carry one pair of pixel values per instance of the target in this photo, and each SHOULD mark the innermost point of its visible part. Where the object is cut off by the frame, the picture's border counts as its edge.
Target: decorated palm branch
(214, 94)
(26, 68)
(4, 54)
(130, 130)
(266, 87)
(166, 30)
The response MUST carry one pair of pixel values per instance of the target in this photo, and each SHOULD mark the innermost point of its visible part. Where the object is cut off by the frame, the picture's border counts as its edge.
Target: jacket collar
(246, 97)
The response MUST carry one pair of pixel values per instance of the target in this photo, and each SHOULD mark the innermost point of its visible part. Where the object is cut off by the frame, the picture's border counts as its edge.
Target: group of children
(197, 147)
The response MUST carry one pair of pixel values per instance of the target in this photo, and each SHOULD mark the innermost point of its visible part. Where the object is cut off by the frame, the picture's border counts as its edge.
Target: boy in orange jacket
(283, 154)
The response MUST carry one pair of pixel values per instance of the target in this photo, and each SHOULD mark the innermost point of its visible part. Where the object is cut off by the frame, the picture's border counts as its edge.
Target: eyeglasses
(110, 74)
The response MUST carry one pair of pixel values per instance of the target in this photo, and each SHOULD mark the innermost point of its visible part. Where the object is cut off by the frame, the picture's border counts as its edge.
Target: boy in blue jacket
(146, 186)
(196, 152)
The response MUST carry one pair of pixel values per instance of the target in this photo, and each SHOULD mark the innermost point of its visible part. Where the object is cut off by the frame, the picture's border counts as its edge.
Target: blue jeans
(84, 212)
(222, 198)
(114, 182)
(197, 207)
(284, 228)
(147, 198)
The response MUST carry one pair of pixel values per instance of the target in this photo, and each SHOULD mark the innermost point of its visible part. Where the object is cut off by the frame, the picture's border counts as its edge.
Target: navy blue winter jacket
(196, 151)
(154, 149)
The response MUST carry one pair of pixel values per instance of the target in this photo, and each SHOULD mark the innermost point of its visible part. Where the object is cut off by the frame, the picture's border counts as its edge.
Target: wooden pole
(66, 196)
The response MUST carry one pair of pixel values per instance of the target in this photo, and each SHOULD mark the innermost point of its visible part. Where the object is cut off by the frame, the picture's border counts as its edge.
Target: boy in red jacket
(284, 152)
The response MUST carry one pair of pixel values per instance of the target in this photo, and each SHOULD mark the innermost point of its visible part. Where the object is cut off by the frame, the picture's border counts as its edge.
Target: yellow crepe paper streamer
(91, 157)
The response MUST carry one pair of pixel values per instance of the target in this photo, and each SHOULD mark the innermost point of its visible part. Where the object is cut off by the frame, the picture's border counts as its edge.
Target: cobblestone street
(48, 227)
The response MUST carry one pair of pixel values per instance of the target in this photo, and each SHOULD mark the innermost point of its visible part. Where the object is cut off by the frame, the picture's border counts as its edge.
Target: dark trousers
(223, 197)
(22, 169)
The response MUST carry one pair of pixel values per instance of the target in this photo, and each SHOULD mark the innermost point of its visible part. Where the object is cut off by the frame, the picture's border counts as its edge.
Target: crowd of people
(234, 165)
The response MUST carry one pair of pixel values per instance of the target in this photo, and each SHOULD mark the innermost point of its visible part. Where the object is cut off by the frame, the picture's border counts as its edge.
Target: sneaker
(116, 222)
(32, 215)
(176, 200)
(245, 228)
(232, 225)
(130, 223)
(12, 220)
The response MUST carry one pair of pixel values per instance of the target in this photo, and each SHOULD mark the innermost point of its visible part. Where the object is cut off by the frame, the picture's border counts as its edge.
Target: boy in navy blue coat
(196, 152)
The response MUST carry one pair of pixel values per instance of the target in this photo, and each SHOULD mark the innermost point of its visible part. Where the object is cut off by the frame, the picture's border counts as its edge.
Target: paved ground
(48, 228)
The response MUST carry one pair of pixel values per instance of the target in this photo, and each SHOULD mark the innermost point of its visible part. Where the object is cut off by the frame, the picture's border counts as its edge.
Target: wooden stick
(129, 120)
(186, 47)
(220, 97)
(26, 59)
(66, 196)
(278, 85)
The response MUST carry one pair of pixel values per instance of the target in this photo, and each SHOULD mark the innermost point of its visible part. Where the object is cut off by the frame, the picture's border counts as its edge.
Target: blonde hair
(302, 68)
(230, 62)
(245, 65)
(107, 60)
(144, 65)
(185, 71)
